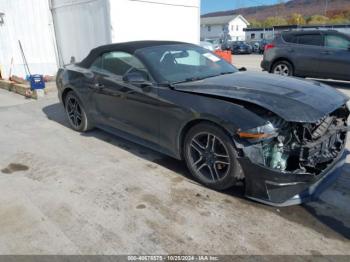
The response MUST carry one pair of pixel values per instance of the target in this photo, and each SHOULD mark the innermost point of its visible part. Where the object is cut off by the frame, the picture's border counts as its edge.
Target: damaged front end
(286, 164)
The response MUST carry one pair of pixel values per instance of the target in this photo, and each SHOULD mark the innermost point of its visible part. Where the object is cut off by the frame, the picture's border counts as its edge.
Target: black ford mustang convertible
(283, 137)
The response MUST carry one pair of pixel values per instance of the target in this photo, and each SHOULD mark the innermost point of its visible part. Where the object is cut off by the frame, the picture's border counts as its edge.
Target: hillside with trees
(295, 12)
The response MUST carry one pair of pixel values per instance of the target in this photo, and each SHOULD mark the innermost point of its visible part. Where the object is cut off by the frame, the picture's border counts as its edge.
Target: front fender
(180, 110)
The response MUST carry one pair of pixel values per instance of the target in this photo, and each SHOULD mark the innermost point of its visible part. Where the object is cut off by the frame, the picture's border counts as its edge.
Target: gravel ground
(63, 192)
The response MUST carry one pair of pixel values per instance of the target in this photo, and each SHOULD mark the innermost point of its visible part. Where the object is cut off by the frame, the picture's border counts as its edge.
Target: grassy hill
(306, 8)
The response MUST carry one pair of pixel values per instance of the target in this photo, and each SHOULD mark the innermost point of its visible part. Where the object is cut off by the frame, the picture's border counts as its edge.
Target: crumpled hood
(292, 99)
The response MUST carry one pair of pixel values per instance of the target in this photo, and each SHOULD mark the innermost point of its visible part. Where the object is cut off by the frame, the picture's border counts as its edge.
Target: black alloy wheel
(76, 114)
(211, 157)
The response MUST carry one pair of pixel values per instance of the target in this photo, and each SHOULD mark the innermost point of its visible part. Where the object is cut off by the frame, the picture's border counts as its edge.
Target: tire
(217, 169)
(76, 114)
(283, 68)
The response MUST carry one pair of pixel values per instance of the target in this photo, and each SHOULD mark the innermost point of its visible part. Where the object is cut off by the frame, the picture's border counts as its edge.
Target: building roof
(221, 20)
(217, 20)
(288, 27)
(221, 13)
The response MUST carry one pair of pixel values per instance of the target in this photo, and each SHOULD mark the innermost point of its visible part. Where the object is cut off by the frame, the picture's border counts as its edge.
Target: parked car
(318, 54)
(226, 45)
(281, 136)
(263, 44)
(207, 45)
(241, 47)
(255, 46)
(215, 42)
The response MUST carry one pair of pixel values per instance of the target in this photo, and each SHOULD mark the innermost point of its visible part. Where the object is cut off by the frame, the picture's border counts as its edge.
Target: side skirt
(136, 140)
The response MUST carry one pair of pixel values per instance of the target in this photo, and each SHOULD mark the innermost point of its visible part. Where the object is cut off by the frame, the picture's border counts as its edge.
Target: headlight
(259, 133)
(348, 105)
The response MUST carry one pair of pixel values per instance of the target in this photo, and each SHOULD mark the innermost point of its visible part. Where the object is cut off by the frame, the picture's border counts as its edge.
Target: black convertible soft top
(128, 47)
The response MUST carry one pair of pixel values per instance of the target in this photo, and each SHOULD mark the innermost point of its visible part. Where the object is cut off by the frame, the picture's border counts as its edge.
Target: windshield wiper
(227, 73)
(190, 79)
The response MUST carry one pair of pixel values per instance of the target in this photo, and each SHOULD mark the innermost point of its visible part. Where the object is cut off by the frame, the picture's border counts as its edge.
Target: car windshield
(183, 63)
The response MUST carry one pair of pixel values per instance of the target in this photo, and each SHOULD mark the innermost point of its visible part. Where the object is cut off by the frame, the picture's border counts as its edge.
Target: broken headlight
(259, 133)
(271, 139)
(348, 105)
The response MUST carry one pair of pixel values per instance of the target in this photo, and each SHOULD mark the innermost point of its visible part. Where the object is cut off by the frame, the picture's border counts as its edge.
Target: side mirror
(138, 78)
(135, 77)
(242, 69)
(89, 75)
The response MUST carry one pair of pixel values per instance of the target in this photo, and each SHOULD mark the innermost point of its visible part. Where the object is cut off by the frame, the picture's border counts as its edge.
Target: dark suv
(319, 54)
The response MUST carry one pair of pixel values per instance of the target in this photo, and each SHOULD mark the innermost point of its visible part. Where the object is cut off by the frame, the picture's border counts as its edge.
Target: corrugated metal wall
(80, 25)
(28, 21)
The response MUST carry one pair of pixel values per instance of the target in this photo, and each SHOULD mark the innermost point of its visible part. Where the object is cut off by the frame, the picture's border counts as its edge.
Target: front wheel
(283, 68)
(76, 114)
(211, 157)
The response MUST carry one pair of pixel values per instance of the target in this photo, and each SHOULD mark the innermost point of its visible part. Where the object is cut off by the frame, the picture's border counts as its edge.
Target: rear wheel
(283, 68)
(76, 114)
(211, 156)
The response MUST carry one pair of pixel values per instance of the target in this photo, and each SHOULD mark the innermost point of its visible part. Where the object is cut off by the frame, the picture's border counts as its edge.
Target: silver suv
(316, 53)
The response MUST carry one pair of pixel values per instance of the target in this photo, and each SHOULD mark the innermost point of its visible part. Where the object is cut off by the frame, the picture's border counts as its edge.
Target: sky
(222, 5)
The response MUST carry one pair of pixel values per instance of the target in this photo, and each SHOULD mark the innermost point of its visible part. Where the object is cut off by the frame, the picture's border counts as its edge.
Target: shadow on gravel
(56, 113)
(332, 207)
(329, 219)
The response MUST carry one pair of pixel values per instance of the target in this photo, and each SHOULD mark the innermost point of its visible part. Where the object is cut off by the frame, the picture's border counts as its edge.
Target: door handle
(97, 86)
(291, 50)
(327, 52)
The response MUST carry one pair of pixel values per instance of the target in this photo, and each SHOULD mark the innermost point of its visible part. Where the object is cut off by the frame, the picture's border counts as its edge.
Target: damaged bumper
(278, 188)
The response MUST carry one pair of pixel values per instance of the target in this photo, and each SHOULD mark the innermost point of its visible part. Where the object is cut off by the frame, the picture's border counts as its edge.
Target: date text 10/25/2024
(173, 258)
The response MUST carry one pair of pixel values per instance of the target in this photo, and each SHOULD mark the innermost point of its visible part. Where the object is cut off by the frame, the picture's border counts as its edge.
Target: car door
(127, 107)
(306, 53)
(335, 58)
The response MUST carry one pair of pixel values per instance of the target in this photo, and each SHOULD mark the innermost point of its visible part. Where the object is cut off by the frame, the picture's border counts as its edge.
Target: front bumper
(277, 188)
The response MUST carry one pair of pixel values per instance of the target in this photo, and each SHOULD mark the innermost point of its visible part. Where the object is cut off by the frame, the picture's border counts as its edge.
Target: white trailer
(81, 25)
(52, 31)
(30, 22)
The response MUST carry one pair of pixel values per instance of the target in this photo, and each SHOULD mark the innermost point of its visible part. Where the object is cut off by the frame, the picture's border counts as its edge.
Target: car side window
(311, 39)
(289, 38)
(337, 42)
(97, 64)
(119, 63)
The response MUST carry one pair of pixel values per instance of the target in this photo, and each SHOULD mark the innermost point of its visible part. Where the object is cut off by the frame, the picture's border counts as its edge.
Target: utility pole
(326, 8)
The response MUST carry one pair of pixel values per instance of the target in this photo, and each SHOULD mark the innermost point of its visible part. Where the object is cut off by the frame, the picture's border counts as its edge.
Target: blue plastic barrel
(37, 82)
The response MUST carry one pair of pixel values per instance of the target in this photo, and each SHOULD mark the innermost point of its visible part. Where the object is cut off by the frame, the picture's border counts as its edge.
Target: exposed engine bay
(304, 147)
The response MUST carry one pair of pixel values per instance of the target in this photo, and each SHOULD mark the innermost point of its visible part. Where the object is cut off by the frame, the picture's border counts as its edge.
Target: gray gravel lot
(63, 192)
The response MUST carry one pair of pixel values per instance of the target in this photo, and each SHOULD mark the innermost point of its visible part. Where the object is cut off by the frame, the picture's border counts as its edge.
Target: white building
(52, 31)
(256, 34)
(253, 34)
(215, 27)
(81, 25)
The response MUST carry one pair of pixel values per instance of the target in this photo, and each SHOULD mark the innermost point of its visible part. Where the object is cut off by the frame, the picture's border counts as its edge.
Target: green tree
(317, 20)
(255, 23)
(339, 19)
(347, 14)
(274, 21)
(296, 19)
